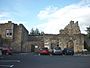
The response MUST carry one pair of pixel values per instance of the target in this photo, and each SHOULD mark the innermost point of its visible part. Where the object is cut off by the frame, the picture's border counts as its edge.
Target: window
(8, 32)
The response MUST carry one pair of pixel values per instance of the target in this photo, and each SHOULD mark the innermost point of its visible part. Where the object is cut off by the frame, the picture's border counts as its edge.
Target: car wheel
(50, 54)
(7, 53)
(10, 53)
(39, 54)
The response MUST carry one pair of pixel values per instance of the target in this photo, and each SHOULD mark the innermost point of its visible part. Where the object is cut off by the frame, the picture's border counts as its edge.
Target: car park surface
(29, 60)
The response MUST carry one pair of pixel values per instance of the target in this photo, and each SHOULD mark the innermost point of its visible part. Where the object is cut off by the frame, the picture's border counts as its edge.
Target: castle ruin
(17, 37)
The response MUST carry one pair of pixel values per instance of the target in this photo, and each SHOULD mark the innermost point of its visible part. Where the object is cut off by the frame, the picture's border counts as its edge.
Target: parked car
(68, 51)
(84, 51)
(0, 51)
(6, 51)
(57, 51)
(44, 51)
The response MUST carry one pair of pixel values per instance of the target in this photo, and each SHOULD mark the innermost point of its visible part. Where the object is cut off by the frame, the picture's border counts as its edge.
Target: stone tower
(71, 37)
(71, 28)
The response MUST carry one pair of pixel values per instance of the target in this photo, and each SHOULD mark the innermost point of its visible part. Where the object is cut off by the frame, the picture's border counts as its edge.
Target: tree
(88, 31)
(42, 33)
(32, 32)
(36, 32)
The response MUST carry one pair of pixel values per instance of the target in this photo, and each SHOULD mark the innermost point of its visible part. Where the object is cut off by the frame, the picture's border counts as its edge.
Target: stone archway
(32, 48)
(70, 44)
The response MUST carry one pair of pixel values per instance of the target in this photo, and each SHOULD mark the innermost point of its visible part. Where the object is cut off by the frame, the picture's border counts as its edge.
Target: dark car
(57, 51)
(0, 51)
(68, 51)
(6, 51)
(44, 51)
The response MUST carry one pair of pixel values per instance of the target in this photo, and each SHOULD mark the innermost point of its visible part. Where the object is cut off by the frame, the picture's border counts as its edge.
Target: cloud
(13, 16)
(2, 14)
(6, 16)
(59, 17)
(46, 12)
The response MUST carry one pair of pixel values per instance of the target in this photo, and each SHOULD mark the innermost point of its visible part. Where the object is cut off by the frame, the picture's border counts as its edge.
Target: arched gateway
(70, 44)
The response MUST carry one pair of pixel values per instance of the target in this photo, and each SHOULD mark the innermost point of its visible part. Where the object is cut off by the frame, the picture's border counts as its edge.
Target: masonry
(17, 37)
(69, 37)
(13, 35)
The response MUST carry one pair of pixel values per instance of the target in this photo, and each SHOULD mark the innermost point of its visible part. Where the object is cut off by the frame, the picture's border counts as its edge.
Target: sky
(47, 15)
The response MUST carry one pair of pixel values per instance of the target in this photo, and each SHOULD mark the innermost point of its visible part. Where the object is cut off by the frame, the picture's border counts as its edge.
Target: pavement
(32, 60)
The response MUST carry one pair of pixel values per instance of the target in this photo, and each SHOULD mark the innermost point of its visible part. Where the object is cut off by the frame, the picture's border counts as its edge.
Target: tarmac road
(27, 60)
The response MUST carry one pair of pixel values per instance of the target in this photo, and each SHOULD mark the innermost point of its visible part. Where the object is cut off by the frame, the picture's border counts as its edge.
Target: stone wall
(0, 41)
(35, 42)
(6, 32)
(69, 37)
(50, 40)
(21, 41)
(75, 42)
(71, 28)
(16, 43)
(17, 38)
(20, 38)
(24, 36)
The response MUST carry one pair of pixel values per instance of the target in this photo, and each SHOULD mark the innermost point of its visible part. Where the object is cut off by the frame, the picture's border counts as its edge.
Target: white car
(57, 51)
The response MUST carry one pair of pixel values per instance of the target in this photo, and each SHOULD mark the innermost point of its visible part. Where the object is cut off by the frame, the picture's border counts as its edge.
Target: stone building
(51, 40)
(13, 35)
(17, 37)
(0, 41)
(35, 42)
(69, 37)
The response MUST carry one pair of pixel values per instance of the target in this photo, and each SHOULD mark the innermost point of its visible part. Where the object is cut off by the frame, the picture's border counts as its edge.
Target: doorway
(70, 44)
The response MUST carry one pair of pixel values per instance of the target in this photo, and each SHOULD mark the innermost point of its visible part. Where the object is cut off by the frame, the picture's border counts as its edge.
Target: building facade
(69, 37)
(17, 37)
(13, 35)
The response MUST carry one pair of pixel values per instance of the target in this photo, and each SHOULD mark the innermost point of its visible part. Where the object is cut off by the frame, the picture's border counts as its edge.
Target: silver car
(57, 51)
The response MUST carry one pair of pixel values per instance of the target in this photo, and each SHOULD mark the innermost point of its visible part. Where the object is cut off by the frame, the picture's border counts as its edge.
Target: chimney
(9, 21)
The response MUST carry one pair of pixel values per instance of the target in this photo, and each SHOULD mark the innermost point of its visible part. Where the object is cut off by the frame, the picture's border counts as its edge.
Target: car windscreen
(44, 49)
(57, 48)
